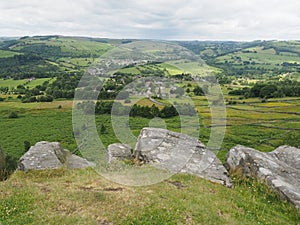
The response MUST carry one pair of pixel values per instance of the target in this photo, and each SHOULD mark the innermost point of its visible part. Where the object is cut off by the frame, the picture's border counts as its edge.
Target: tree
(154, 111)
(169, 111)
(198, 91)
(268, 91)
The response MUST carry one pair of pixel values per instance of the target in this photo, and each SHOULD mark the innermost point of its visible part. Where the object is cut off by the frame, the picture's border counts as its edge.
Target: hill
(48, 56)
(252, 59)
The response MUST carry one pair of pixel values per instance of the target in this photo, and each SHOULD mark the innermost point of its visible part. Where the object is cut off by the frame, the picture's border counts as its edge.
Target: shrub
(13, 115)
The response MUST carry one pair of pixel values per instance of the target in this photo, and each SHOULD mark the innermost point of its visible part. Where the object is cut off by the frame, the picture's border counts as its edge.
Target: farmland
(263, 126)
(52, 66)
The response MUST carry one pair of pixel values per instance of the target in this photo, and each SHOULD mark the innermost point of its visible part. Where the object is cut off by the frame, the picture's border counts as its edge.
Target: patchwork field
(263, 126)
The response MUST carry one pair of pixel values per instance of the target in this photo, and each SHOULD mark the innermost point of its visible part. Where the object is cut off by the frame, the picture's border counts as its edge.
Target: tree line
(116, 108)
(271, 89)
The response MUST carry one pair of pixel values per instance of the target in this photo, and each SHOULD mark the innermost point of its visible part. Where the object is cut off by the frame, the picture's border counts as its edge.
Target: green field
(6, 54)
(263, 126)
(68, 45)
(10, 83)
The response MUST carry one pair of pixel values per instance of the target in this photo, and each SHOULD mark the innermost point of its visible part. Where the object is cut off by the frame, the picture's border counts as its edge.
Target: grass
(26, 82)
(197, 68)
(263, 126)
(263, 58)
(84, 197)
(172, 70)
(7, 54)
(76, 46)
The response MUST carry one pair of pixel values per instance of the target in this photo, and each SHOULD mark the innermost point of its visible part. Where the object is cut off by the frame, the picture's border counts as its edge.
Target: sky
(238, 20)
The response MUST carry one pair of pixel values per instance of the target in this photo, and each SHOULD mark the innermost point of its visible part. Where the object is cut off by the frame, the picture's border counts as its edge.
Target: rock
(178, 152)
(280, 169)
(76, 162)
(50, 155)
(118, 152)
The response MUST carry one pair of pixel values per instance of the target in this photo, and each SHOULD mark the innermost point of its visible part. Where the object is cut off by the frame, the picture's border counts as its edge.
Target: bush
(13, 115)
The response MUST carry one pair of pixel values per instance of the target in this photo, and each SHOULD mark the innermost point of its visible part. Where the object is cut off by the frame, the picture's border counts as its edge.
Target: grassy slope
(6, 54)
(14, 83)
(83, 197)
(83, 51)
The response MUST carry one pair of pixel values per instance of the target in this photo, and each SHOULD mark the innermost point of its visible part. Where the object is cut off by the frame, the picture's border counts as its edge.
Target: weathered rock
(76, 162)
(50, 155)
(280, 169)
(178, 152)
(118, 152)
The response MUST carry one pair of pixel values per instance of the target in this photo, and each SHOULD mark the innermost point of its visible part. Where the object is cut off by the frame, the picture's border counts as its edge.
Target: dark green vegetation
(260, 84)
(270, 89)
(136, 110)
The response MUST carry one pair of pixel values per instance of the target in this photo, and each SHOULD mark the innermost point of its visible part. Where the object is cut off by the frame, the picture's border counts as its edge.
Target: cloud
(155, 19)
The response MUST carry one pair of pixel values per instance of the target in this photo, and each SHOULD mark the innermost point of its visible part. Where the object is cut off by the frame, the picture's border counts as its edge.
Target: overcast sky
(153, 19)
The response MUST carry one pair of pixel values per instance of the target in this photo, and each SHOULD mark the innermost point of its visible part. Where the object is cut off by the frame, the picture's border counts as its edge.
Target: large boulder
(50, 155)
(280, 169)
(118, 152)
(178, 152)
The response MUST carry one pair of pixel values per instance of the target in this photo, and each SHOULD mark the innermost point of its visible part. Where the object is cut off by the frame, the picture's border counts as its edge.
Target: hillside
(37, 56)
(48, 56)
(252, 59)
(83, 197)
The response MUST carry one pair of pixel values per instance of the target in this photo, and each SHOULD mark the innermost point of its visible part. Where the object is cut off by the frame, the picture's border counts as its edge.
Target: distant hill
(249, 58)
(48, 56)
(51, 56)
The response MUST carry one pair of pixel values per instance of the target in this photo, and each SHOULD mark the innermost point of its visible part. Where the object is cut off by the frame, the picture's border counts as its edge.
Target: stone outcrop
(50, 155)
(178, 152)
(118, 152)
(280, 169)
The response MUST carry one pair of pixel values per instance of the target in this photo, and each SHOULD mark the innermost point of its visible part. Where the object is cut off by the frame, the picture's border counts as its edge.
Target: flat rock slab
(280, 169)
(178, 152)
(50, 155)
